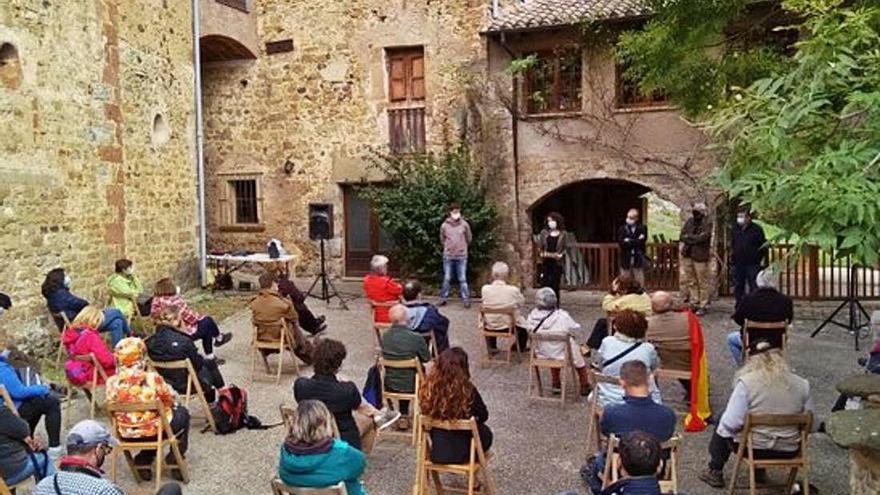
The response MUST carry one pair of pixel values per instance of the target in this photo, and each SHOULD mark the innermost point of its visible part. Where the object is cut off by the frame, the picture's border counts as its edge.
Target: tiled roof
(518, 15)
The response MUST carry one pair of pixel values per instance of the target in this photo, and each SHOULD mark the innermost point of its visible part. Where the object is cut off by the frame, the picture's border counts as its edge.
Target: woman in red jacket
(81, 338)
(380, 288)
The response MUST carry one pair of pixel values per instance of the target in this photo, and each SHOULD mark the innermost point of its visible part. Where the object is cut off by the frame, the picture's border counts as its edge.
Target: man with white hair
(500, 294)
(380, 288)
(764, 305)
(696, 251)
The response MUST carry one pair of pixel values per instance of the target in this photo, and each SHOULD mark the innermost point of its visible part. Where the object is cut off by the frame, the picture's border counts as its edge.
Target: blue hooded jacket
(341, 463)
(17, 390)
(63, 301)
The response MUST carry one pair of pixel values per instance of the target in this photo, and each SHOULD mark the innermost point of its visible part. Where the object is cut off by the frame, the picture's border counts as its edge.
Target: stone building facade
(96, 145)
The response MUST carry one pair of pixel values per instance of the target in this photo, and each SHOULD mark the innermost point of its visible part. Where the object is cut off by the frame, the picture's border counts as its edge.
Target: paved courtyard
(538, 448)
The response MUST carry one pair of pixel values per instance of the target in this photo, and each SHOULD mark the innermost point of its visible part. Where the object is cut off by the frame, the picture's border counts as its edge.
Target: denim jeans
(735, 344)
(598, 471)
(743, 276)
(459, 265)
(116, 324)
(30, 468)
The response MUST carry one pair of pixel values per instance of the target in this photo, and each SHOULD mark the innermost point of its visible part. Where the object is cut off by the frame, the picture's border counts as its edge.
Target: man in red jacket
(380, 288)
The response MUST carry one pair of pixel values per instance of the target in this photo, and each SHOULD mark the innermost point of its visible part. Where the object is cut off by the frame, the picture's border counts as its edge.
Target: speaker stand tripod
(328, 290)
(853, 322)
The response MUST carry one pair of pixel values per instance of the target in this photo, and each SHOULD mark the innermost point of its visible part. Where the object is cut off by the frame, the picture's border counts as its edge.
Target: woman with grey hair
(380, 288)
(547, 319)
(313, 455)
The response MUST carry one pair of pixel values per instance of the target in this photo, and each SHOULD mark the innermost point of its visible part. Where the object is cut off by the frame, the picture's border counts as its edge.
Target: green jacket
(400, 343)
(124, 290)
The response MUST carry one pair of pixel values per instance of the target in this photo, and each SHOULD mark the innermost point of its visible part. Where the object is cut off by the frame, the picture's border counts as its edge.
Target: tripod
(328, 290)
(855, 309)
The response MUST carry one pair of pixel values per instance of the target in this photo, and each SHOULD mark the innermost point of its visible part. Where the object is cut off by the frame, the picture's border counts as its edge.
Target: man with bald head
(401, 343)
(669, 331)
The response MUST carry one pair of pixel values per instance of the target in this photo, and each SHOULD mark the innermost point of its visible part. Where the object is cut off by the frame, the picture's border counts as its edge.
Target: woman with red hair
(448, 395)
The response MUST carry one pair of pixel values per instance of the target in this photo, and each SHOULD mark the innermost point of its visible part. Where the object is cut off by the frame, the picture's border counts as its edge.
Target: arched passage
(218, 48)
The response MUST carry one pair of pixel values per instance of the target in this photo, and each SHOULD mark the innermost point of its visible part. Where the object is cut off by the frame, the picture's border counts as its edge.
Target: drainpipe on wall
(200, 137)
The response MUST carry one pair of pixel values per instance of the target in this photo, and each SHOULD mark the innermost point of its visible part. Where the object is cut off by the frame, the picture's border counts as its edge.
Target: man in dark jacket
(696, 251)
(424, 317)
(632, 237)
(307, 320)
(748, 253)
(764, 305)
(170, 344)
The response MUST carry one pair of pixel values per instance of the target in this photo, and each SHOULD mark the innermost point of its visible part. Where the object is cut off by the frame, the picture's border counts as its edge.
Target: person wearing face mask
(632, 237)
(554, 242)
(455, 234)
(696, 251)
(747, 253)
(196, 326)
(59, 299)
(124, 288)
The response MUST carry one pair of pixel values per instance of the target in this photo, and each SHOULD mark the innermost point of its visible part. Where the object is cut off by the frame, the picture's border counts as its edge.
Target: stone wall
(322, 105)
(96, 145)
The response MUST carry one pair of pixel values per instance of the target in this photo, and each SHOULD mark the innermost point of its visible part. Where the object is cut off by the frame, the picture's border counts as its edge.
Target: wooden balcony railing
(406, 130)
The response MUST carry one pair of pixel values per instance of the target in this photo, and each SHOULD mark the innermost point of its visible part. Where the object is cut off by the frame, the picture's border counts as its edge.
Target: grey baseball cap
(89, 432)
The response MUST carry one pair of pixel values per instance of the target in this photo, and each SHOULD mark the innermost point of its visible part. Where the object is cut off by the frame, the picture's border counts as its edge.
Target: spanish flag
(700, 412)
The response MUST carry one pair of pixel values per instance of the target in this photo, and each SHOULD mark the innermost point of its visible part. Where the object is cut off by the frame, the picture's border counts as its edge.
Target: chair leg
(182, 466)
(733, 475)
(753, 483)
(471, 475)
(438, 485)
(158, 474)
(792, 477)
(113, 457)
(563, 382)
(69, 406)
(253, 363)
(280, 366)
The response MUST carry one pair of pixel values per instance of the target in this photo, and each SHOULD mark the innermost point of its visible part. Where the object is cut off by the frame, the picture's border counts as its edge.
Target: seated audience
(381, 288)
(547, 319)
(124, 287)
(357, 420)
(21, 455)
(196, 326)
(499, 294)
(640, 458)
(269, 308)
(637, 412)
(80, 339)
(133, 384)
(307, 320)
(764, 385)
(626, 293)
(170, 343)
(59, 299)
(400, 343)
(669, 332)
(627, 344)
(765, 305)
(424, 317)
(88, 445)
(34, 402)
(313, 455)
(449, 395)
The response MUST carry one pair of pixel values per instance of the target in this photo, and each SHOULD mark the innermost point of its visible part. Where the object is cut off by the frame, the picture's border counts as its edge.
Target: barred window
(241, 205)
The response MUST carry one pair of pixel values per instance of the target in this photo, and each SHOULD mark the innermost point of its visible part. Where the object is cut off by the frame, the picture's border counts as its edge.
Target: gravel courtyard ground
(538, 448)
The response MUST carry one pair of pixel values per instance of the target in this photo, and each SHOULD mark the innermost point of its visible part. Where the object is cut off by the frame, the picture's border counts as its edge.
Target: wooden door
(364, 237)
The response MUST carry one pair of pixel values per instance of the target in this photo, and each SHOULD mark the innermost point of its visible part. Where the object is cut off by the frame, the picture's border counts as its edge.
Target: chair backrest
(668, 477)
(288, 413)
(508, 311)
(114, 408)
(60, 316)
(775, 332)
(803, 422)
(408, 364)
(7, 400)
(426, 423)
(181, 364)
(284, 333)
(550, 336)
(280, 488)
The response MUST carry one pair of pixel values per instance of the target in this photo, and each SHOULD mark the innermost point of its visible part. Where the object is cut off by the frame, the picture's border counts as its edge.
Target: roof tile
(535, 14)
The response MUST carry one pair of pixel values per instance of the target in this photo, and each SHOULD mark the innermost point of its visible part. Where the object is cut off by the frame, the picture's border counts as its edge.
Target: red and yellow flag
(700, 411)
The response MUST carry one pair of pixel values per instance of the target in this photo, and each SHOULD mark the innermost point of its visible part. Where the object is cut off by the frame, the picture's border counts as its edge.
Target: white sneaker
(385, 418)
(55, 453)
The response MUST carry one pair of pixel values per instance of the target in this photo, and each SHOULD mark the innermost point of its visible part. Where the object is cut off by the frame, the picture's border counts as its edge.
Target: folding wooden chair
(477, 465)
(280, 488)
(774, 332)
(536, 364)
(193, 387)
(91, 387)
(431, 340)
(802, 422)
(595, 414)
(379, 330)
(7, 400)
(394, 398)
(504, 333)
(165, 436)
(668, 477)
(284, 343)
(288, 413)
(59, 357)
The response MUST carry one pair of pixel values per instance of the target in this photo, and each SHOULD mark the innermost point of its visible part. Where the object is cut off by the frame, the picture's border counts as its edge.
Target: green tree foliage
(799, 139)
(413, 204)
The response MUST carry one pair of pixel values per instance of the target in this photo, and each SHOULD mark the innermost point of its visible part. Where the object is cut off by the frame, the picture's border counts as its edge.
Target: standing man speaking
(455, 234)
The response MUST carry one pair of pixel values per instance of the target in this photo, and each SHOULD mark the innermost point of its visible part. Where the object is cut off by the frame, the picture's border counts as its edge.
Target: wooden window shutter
(417, 80)
(397, 78)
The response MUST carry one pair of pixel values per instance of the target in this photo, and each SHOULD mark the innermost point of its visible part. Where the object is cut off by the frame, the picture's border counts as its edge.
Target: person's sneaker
(442, 302)
(467, 304)
(55, 453)
(320, 320)
(217, 360)
(712, 477)
(700, 312)
(385, 418)
(222, 339)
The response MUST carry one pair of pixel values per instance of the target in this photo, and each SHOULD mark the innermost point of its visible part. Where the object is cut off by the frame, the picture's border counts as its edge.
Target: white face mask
(551, 224)
(129, 270)
(631, 221)
(177, 290)
(67, 281)
(455, 216)
(740, 220)
(2, 310)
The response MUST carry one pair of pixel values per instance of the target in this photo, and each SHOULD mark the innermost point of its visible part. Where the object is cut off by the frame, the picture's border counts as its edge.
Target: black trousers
(206, 331)
(180, 427)
(720, 449)
(551, 276)
(48, 407)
